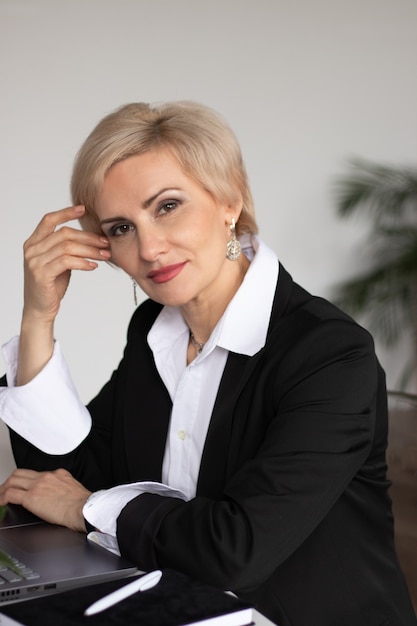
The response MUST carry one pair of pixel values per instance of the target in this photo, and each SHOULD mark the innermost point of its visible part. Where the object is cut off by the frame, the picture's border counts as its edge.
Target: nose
(151, 242)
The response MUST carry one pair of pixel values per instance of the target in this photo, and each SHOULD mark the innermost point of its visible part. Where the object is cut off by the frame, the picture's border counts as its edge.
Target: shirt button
(182, 435)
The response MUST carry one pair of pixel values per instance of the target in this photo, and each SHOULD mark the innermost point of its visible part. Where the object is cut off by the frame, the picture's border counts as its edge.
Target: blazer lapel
(146, 416)
(213, 466)
(214, 462)
(146, 404)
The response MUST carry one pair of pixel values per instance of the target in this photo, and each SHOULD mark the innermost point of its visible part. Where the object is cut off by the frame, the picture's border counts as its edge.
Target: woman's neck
(202, 315)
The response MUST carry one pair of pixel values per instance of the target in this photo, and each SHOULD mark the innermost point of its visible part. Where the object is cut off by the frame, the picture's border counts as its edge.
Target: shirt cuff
(47, 411)
(104, 507)
(105, 541)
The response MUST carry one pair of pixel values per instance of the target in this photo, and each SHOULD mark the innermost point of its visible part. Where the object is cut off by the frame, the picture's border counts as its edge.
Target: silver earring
(233, 245)
(135, 296)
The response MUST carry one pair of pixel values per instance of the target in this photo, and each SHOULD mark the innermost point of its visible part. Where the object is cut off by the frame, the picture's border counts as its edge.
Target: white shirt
(31, 410)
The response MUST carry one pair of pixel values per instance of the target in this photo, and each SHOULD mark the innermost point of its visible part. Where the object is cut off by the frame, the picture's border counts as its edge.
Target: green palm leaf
(388, 194)
(385, 295)
(5, 559)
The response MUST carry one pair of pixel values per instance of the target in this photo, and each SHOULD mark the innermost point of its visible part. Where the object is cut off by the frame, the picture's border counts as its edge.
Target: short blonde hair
(202, 142)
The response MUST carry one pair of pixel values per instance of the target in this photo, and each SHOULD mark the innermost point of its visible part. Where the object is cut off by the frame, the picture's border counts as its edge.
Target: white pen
(140, 584)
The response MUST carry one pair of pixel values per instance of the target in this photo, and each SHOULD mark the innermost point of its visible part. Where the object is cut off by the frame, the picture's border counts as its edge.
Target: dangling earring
(135, 297)
(233, 245)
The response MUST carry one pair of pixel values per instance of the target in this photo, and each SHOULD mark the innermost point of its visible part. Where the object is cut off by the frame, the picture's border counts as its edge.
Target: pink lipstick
(167, 273)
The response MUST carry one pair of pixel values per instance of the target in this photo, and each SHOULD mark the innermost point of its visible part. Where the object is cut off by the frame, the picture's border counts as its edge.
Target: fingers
(65, 241)
(51, 220)
(66, 249)
(19, 479)
(23, 481)
(54, 496)
(12, 490)
(50, 256)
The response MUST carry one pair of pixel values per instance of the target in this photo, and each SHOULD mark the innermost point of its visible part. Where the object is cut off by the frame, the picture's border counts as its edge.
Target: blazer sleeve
(91, 461)
(303, 425)
(99, 462)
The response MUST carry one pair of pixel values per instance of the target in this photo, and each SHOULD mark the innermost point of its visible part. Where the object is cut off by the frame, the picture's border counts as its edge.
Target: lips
(167, 273)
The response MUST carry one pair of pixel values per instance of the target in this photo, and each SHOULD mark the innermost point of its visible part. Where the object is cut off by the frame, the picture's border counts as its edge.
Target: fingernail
(104, 240)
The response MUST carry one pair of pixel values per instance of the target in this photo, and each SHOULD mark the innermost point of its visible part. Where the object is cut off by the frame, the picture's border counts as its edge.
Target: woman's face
(165, 230)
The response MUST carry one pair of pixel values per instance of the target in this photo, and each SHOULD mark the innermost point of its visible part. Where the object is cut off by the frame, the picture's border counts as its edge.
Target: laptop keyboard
(22, 572)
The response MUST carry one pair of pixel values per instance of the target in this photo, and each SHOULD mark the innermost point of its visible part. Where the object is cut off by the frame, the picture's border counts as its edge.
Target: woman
(242, 438)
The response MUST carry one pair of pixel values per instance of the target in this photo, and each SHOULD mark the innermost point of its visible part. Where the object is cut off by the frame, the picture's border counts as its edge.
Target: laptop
(48, 559)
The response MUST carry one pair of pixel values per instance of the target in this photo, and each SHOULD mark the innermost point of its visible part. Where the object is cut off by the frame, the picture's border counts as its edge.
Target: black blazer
(292, 510)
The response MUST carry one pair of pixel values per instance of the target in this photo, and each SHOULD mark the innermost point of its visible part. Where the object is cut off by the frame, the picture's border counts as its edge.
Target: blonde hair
(202, 142)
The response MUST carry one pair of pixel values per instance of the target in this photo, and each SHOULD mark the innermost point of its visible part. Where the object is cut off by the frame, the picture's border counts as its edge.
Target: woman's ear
(233, 211)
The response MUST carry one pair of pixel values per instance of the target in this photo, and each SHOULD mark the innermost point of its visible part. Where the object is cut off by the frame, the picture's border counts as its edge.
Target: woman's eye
(121, 229)
(168, 206)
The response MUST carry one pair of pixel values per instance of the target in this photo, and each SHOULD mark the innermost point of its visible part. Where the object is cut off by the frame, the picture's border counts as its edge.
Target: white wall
(304, 84)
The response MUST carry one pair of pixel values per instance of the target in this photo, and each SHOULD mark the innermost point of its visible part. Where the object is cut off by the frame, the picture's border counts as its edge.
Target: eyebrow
(145, 205)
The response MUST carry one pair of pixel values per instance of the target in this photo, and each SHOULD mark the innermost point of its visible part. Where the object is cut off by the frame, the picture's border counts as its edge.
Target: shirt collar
(244, 325)
(245, 322)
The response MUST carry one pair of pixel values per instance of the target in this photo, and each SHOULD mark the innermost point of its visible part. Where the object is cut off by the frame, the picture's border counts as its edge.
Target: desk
(51, 609)
(17, 516)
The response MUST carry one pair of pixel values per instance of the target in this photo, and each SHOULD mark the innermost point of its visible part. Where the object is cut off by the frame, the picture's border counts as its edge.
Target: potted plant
(385, 294)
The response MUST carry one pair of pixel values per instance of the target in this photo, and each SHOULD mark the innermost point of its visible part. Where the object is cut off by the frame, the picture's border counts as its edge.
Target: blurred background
(306, 86)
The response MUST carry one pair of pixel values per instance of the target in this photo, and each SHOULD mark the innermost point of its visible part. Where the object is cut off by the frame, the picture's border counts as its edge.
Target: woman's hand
(55, 496)
(50, 256)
